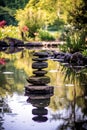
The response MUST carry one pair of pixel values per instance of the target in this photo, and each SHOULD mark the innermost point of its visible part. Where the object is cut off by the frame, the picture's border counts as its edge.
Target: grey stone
(41, 54)
(31, 89)
(77, 59)
(40, 72)
(39, 59)
(41, 80)
(39, 65)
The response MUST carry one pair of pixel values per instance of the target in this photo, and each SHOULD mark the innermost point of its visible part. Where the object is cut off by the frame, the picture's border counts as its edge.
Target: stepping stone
(39, 65)
(40, 72)
(40, 80)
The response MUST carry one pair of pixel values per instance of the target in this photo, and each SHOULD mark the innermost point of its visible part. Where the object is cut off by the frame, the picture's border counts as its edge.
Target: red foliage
(2, 61)
(2, 23)
(25, 28)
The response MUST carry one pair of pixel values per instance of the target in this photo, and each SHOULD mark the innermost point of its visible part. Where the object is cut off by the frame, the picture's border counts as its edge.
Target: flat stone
(38, 96)
(40, 80)
(41, 54)
(40, 72)
(39, 59)
(39, 65)
(30, 89)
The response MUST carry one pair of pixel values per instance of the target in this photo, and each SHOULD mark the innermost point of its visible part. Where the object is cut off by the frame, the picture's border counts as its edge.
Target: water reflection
(62, 108)
(4, 108)
(73, 115)
(39, 103)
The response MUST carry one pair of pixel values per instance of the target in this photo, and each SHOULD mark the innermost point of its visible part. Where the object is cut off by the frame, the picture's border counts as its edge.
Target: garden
(43, 64)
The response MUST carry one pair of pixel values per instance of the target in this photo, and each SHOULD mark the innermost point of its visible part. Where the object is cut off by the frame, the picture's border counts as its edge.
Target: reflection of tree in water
(75, 74)
(11, 78)
(4, 108)
(74, 114)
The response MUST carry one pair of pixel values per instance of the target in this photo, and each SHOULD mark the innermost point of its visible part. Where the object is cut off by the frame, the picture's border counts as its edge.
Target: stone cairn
(38, 91)
(38, 82)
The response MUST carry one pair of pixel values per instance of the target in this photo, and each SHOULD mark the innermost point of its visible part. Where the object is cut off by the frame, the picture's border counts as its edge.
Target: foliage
(38, 14)
(75, 40)
(84, 52)
(57, 25)
(77, 14)
(10, 31)
(8, 8)
(45, 36)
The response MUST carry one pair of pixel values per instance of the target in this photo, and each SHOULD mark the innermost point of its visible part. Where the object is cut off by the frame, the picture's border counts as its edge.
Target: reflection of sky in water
(21, 116)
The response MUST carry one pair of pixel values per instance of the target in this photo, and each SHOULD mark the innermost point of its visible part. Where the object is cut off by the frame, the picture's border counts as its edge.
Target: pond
(65, 109)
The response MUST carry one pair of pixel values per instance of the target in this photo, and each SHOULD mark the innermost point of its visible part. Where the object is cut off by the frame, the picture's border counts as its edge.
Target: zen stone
(40, 72)
(30, 89)
(39, 96)
(41, 54)
(39, 59)
(39, 65)
(38, 80)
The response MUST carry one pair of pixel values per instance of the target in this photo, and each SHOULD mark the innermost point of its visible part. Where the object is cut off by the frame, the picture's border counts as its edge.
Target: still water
(66, 109)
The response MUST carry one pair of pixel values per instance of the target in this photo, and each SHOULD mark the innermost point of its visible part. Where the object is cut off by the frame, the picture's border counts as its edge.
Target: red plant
(2, 23)
(25, 28)
(2, 61)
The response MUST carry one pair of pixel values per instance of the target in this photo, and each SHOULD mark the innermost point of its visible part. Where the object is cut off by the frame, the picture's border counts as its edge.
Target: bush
(75, 40)
(10, 31)
(45, 36)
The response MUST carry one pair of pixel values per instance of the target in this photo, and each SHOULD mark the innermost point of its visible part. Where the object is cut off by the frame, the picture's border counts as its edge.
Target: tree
(39, 14)
(8, 8)
(77, 14)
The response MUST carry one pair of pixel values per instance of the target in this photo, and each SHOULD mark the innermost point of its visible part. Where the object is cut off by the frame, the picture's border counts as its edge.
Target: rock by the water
(67, 57)
(39, 65)
(59, 55)
(77, 59)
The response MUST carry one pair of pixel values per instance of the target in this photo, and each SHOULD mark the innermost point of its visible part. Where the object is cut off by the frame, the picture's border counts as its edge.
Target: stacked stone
(38, 91)
(38, 82)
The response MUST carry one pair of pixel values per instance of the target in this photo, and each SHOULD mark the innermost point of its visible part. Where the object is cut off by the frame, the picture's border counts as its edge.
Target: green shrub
(84, 52)
(75, 40)
(10, 31)
(45, 36)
